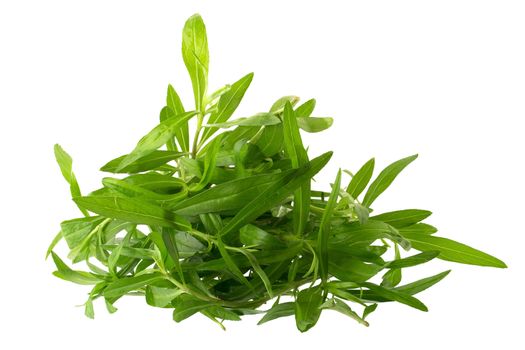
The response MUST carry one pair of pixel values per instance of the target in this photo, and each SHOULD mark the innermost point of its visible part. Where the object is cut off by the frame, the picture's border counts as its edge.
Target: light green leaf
(395, 295)
(65, 162)
(228, 103)
(307, 308)
(385, 178)
(182, 132)
(196, 57)
(294, 149)
(361, 179)
(413, 260)
(324, 227)
(128, 284)
(403, 218)
(66, 273)
(306, 109)
(156, 138)
(314, 124)
(258, 119)
(453, 251)
(340, 306)
(149, 162)
(277, 311)
(131, 210)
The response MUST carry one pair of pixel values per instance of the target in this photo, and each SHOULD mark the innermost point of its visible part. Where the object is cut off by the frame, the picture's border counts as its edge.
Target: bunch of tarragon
(229, 222)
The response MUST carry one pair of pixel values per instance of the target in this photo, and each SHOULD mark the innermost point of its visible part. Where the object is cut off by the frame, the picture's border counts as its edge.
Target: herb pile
(226, 221)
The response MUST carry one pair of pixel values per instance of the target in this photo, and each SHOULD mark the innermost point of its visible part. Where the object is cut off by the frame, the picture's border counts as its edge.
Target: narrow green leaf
(168, 237)
(422, 284)
(395, 295)
(278, 106)
(306, 109)
(251, 235)
(340, 306)
(196, 57)
(54, 242)
(294, 149)
(359, 181)
(278, 311)
(369, 309)
(419, 228)
(275, 193)
(182, 132)
(228, 103)
(314, 124)
(149, 162)
(403, 218)
(115, 254)
(393, 276)
(385, 178)
(131, 210)
(307, 308)
(160, 296)
(324, 227)
(156, 138)
(413, 260)
(453, 251)
(65, 162)
(66, 273)
(129, 284)
(187, 305)
(258, 119)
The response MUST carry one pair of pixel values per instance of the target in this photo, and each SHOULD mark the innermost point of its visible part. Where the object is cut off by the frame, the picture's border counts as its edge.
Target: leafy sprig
(228, 220)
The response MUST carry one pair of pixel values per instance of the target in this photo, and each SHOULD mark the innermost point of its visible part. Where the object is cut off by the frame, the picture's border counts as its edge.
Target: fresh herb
(230, 219)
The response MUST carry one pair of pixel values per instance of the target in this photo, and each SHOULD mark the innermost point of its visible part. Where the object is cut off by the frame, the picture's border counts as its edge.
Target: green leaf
(278, 311)
(324, 227)
(306, 109)
(393, 276)
(128, 284)
(209, 164)
(361, 179)
(395, 295)
(312, 124)
(169, 241)
(182, 132)
(453, 251)
(156, 138)
(340, 306)
(187, 305)
(54, 242)
(149, 162)
(403, 218)
(385, 178)
(115, 254)
(258, 119)
(131, 210)
(160, 296)
(420, 228)
(65, 162)
(413, 260)
(275, 193)
(369, 309)
(228, 103)
(66, 273)
(278, 106)
(228, 196)
(196, 57)
(251, 235)
(422, 284)
(294, 149)
(307, 308)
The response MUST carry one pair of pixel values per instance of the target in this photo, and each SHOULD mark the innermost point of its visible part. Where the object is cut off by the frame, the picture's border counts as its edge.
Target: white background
(444, 79)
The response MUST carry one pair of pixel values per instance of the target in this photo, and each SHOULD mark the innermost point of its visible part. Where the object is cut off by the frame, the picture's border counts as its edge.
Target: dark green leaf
(396, 295)
(413, 260)
(128, 284)
(66, 273)
(277, 311)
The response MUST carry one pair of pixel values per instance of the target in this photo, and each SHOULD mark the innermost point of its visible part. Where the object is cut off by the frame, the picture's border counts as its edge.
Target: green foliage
(223, 222)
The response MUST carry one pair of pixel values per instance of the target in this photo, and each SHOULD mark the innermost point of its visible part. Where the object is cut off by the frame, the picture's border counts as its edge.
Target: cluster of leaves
(229, 221)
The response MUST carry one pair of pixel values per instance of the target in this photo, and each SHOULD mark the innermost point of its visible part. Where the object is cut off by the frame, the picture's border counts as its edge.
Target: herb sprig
(225, 221)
